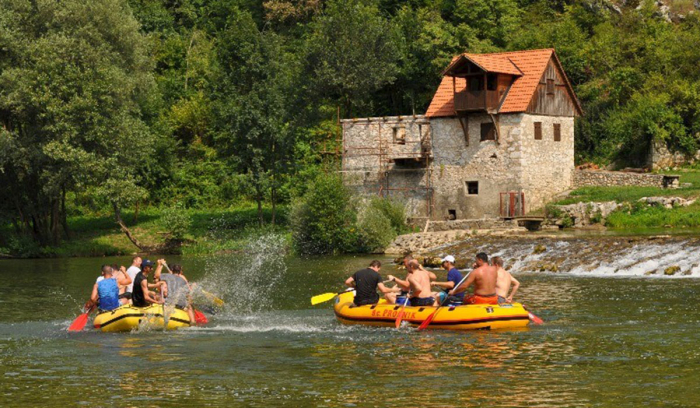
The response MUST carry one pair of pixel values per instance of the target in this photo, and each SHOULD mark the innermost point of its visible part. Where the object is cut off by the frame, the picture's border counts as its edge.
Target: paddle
(400, 316)
(80, 322)
(325, 297)
(532, 317)
(199, 317)
(217, 301)
(430, 318)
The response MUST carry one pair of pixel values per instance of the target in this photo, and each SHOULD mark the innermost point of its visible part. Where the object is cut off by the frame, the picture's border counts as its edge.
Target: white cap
(448, 258)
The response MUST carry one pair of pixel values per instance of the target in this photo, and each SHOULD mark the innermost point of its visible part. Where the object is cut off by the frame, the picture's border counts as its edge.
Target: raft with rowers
(412, 300)
(125, 299)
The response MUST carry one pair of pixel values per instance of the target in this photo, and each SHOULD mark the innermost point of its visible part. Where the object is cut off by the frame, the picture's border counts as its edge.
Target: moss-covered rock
(539, 249)
(672, 270)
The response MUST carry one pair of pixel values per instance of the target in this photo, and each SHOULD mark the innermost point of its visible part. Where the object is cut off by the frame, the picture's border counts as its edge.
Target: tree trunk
(125, 230)
(259, 199)
(136, 211)
(64, 215)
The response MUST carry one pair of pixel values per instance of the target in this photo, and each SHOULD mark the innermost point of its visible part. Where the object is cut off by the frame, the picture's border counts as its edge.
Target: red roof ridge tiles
(530, 66)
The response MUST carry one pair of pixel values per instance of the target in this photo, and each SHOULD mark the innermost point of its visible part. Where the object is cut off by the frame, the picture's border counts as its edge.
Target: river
(607, 341)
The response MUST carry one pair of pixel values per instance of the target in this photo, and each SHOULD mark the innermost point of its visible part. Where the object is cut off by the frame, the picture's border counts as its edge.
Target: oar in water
(199, 317)
(532, 317)
(430, 318)
(80, 321)
(400, 316)
(325, 297)
(217, 301)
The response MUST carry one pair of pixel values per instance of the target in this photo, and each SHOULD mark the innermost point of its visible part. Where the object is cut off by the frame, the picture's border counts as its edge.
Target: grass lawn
(210, 231)
(639, 216)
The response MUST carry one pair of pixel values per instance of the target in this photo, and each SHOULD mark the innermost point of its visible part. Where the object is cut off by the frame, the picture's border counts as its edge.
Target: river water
(608, 341)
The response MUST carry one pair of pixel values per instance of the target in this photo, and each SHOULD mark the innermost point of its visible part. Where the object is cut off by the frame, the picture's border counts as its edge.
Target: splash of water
(247, 281)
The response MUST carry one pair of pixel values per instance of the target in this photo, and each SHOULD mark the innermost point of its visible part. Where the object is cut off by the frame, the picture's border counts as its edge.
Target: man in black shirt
(141, 296)
(366, 282)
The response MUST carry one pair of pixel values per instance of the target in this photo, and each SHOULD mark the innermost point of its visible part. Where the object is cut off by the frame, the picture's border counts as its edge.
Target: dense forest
(123, 104)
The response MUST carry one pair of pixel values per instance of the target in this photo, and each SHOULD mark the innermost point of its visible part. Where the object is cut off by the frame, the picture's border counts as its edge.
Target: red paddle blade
(79, 323)
(427, 321)
(534, 318)
(399, 318)
(200, 318)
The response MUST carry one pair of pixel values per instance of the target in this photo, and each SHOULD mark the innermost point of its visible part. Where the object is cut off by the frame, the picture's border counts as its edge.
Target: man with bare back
(419, 282)
(503, 282)
(484, 278)
(400, 291)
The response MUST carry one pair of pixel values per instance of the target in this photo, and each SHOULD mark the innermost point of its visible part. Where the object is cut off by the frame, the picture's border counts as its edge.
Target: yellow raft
(468, 317)
(128, 318)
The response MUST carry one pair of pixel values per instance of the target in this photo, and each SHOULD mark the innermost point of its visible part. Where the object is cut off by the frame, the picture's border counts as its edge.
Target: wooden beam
(494, 119)
(465, 127)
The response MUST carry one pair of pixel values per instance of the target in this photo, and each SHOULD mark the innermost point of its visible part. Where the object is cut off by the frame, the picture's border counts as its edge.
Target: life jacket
(108, 291)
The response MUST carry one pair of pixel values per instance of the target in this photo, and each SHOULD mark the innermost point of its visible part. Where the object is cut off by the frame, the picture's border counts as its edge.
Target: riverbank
(206, 231)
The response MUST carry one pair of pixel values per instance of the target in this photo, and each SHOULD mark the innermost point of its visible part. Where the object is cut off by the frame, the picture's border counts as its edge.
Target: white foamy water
(594, 257)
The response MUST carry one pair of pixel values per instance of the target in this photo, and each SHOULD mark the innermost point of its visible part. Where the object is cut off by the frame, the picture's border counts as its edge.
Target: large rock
(667, 202)
(583, 214)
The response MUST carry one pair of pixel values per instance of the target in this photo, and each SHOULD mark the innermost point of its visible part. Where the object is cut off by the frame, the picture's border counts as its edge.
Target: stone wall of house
(370, 144)
(546, 164)
(599, 178)
(456, 163)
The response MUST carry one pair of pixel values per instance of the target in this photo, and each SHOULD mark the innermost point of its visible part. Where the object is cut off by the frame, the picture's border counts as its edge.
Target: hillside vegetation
(121, 107)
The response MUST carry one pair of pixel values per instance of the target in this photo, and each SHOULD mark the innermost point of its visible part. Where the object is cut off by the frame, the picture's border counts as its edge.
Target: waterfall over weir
(589, 256)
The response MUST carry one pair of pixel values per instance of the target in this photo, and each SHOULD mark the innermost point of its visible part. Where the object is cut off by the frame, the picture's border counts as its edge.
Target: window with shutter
(488, 131)
(538, 130)
(557, 132)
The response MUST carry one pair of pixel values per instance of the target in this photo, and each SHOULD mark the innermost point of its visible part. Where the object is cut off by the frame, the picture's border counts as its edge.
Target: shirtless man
(419, 283)
(503, 282)
(403, 286)
(484, 279)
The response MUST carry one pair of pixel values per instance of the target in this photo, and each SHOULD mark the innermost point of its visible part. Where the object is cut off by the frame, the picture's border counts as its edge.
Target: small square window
(557, 132)
(399, 135)
(488, 131)
(550, 87)
(472, 187)
(538, 130)
(452, 214)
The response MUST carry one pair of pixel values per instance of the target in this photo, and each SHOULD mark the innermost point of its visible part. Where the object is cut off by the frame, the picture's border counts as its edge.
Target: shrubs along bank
(329, 220)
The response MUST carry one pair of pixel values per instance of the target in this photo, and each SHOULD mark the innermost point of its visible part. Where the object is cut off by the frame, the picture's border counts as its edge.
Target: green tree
(252, 92)
(350, 54)
(74, 77)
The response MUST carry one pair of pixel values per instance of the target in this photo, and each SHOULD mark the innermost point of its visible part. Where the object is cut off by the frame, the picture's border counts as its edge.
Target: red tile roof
(530, 65)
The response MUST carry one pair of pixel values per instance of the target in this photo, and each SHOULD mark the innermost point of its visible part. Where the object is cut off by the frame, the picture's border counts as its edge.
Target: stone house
(497, 141)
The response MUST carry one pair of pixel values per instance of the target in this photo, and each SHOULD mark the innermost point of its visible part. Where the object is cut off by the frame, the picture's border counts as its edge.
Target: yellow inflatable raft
(128, 318)
(468, 317)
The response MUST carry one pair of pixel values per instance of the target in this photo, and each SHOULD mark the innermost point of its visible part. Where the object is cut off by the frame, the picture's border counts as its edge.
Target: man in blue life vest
(106, 291)
(453, 278)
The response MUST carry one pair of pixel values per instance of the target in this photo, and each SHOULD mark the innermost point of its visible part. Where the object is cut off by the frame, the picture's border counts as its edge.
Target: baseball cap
(448, 258)
(146, 263)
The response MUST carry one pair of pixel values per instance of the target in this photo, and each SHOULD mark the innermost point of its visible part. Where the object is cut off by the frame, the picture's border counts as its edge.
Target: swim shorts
(429, 301)
(481, 300)
(125, 295)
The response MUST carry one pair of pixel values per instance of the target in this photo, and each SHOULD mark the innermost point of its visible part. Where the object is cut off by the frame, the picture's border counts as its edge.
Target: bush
(394, 211)
(323, 220)
(177, 221)
(375, 230)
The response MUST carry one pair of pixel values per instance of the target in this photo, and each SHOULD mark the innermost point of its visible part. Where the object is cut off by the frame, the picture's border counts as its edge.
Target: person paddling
(402, 285)
(503, 282)
(484, 279)
(142, 296)
(453, 279)
(105, 293)
(366, 282)
(177, 288)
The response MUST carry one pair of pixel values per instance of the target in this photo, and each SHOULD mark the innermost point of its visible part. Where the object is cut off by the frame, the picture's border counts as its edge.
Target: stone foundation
(597, 178)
